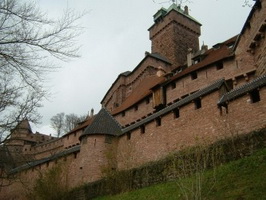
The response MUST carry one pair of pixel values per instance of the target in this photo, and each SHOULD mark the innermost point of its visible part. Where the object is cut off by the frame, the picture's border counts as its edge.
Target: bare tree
(27, 39)
(72, 120)
(65, 123)
(57, 123)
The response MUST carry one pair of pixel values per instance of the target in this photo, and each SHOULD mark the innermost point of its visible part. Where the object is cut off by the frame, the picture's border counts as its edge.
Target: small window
(128, 135)
(123, 114)
(197, 103)
(158, 121)
(229, 84)
(219, 65)
(75, 155)
(176, 113)
(136, 107)
(194, 75)
(173, 85)
(147, 100)
(142, 129)
(254, 96)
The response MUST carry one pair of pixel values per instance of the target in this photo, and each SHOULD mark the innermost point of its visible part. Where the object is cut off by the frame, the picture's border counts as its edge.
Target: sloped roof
(181, 11)
(174, 7)
(244, 89)
(143, 90)
(128, 73)
(211, 56)
(216, 85)
(24, 124)
(103, 123)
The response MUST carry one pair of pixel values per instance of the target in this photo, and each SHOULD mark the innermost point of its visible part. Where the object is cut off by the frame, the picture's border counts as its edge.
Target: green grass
(244, 179)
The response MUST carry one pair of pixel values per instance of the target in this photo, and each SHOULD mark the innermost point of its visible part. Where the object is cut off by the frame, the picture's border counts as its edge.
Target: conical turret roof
(103, 123)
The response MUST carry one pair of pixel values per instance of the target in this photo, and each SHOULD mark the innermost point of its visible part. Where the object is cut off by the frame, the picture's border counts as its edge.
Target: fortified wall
(178, 96)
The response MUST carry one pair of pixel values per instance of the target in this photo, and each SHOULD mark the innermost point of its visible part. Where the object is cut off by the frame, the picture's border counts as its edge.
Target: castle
(179, 94)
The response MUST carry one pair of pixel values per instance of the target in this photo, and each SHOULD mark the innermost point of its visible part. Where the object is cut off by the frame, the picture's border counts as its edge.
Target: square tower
(174, 32)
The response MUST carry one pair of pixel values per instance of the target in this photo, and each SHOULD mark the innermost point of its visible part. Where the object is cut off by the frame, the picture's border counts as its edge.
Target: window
(123, 114)
(147, 100)
(197, 103)
(128, 135)
(194, 75)
(176, 113)
(136, 107)
(142, 129)
(229, 84)
(254, 96)
(173, 85)
(219, 65)
(158, 121)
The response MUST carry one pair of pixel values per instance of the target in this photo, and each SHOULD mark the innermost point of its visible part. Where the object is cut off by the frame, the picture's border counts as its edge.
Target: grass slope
(244, 179)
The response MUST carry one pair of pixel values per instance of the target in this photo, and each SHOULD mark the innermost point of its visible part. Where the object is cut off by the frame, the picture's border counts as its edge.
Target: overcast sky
(115, 39)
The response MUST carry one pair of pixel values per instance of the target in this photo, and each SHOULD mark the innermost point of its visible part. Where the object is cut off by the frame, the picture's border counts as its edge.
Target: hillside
(242, 179)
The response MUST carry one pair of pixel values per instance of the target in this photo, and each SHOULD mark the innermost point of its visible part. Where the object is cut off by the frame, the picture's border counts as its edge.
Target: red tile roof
(222, 51)
(143, 90)
(211, 56)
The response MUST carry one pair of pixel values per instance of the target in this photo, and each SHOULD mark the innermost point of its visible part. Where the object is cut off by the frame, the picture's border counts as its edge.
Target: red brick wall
(251, 47)
(136, 112)
(173, 36)
(72, 139)
(193, 126)
(208, 75)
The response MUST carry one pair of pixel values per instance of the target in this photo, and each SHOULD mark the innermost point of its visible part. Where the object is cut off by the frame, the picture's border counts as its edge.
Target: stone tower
(174, 32)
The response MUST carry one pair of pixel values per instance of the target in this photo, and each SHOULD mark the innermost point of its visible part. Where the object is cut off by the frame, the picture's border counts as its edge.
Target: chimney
(92, 113)
(186, 10)
(189, 57)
